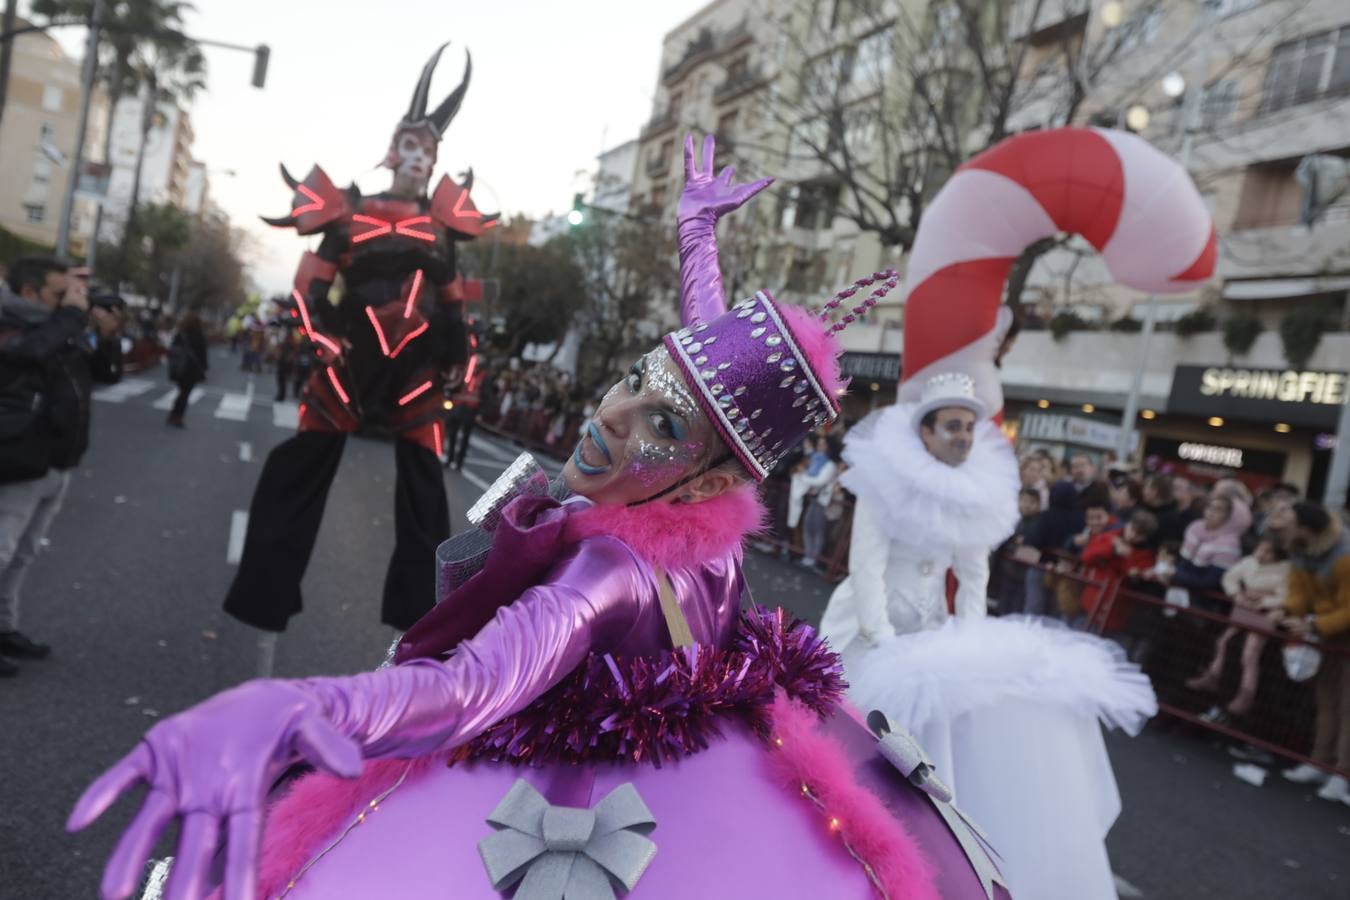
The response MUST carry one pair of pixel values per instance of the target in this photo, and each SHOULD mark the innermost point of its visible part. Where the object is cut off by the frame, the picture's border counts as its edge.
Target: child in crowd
(1114, 556)
(1256, 585)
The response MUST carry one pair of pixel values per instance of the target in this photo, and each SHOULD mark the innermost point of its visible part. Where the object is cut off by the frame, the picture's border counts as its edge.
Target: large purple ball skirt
(728, 825)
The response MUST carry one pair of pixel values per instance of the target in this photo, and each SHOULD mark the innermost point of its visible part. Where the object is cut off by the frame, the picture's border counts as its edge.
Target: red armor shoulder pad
(452, 208)
(317, 203)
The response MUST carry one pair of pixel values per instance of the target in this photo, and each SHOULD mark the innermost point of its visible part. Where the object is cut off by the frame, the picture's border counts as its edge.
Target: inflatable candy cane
(1137, 206)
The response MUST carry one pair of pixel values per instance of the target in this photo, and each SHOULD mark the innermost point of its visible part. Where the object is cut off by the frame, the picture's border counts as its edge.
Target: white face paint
(415, 159)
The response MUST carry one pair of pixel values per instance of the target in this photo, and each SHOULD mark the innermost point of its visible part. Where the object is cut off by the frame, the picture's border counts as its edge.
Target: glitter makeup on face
(660, 375)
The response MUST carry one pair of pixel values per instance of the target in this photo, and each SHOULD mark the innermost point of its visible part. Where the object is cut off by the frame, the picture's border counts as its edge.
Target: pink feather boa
(806, 756)
(676, 534)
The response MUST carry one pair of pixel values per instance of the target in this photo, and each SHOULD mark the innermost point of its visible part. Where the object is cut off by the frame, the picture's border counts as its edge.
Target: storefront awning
(1283, 288)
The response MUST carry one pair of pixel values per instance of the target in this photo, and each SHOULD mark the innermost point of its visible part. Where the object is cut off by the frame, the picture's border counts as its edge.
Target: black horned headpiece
(438, 120)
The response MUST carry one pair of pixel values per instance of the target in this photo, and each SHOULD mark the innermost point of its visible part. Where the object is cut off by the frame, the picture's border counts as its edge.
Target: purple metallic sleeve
(591, 600)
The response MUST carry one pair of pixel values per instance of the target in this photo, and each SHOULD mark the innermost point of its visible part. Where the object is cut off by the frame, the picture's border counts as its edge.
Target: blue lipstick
(582, 466)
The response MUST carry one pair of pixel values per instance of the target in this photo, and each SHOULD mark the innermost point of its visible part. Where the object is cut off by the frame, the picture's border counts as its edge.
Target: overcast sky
(553, 84)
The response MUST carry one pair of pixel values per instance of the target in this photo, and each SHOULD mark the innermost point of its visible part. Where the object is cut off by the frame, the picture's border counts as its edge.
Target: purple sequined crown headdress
(766, 374)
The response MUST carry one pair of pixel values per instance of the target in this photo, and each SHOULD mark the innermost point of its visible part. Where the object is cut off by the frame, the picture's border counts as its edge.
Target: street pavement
(141, 556)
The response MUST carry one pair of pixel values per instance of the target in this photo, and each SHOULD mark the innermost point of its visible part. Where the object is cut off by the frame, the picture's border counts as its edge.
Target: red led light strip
(309, 327)
(404, 228)
(412, 295)
(316, 202)
(381, 228)
(407, 340)
(436, 436)
(379, 332)
(337, 386)
(414, 393)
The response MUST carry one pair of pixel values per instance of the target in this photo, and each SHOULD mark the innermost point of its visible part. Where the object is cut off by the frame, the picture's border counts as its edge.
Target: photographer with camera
(49, 360)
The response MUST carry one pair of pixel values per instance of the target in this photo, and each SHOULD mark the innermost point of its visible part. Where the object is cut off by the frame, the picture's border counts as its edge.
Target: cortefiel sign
(1297, 397)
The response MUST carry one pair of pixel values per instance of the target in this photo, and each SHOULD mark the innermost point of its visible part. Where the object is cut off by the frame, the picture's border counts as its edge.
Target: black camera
(108, 300)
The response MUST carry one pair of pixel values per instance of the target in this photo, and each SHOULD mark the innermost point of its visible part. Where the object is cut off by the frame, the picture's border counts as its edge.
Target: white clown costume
(1008, 708)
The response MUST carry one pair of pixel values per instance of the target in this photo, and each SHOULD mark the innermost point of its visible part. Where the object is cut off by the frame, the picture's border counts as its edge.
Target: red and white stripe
(1134, 204)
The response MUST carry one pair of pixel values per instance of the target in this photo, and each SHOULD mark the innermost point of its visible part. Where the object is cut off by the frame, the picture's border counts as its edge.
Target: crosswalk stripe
(166, 402)
(234, 407)
(234, 551)
(127, 387)
(286, 415)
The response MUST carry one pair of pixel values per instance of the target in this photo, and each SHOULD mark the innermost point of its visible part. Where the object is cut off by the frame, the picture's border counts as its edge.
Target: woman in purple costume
(590, 714)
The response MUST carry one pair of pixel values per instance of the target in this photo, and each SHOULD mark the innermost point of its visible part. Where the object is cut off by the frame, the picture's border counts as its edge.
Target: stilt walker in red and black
(382, 350)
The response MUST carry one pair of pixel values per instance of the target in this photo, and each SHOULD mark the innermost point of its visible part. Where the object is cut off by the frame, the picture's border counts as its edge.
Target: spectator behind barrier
(1017, 553)
(1213, 544)
(1158, 500)
(1111, 557)
(1318, 607)
(1257, 585)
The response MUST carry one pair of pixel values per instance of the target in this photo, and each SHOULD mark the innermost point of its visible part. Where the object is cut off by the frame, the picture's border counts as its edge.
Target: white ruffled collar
(927, 504)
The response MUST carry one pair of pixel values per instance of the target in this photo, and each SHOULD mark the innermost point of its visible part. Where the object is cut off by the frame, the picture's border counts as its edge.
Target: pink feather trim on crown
(676, 534)
(821, 349)
(808, 757)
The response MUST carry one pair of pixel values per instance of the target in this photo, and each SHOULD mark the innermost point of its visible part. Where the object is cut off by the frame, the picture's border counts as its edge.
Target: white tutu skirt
(1008, 711)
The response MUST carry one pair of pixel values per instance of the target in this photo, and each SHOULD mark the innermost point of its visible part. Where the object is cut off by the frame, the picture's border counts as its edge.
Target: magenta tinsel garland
(653, 709)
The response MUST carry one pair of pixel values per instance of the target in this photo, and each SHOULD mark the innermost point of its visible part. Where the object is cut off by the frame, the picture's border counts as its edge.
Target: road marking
(286, 415)
(474, 480)
(245, 451)
(127, 387)
(238, 528)
(166, 402)
(491, 449)
(1125, 890)
(234, 407)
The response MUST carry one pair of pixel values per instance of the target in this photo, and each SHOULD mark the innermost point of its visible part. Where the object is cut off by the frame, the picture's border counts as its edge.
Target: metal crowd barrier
(1176, 645)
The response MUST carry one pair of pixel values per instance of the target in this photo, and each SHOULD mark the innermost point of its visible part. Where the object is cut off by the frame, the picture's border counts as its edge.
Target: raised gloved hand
(708, 197)
(212, 766)
(704, 200)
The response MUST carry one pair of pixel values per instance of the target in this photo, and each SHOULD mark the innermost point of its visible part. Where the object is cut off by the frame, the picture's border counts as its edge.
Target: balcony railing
(738, 83)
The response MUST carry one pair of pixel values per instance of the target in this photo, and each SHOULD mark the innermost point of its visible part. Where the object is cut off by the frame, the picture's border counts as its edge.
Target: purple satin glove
(705, 200)
(214, 764)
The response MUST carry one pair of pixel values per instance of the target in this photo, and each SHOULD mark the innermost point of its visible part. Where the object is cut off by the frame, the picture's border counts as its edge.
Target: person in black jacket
(187, 364)
(48, 364)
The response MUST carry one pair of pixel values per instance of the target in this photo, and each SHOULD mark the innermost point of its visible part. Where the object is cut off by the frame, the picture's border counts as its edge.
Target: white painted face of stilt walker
(416, 155)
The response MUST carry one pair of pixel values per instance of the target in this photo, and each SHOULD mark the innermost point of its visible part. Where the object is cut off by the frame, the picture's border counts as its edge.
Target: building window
(35, 212)
(816, 205)
(47, 134)
(52, 96)
(1307, 69)
(874, 56)
(1218, 106)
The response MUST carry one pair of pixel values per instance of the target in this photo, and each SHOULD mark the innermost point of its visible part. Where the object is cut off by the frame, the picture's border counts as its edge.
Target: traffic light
(578, 213)
(261, 56)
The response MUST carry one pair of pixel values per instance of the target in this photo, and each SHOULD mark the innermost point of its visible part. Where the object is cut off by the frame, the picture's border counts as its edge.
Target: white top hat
(948, 389)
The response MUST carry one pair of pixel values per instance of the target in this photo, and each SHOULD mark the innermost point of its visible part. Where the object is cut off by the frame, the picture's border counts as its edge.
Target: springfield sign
(1294, 396)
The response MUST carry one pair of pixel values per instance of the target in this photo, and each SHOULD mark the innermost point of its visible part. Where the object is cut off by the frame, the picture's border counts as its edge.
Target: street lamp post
(1173, 85)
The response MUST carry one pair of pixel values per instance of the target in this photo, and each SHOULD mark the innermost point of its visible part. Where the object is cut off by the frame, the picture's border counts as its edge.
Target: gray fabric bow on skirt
(561, 851)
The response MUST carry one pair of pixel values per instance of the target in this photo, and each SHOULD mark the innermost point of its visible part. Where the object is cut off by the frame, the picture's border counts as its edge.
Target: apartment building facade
(37, 142)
